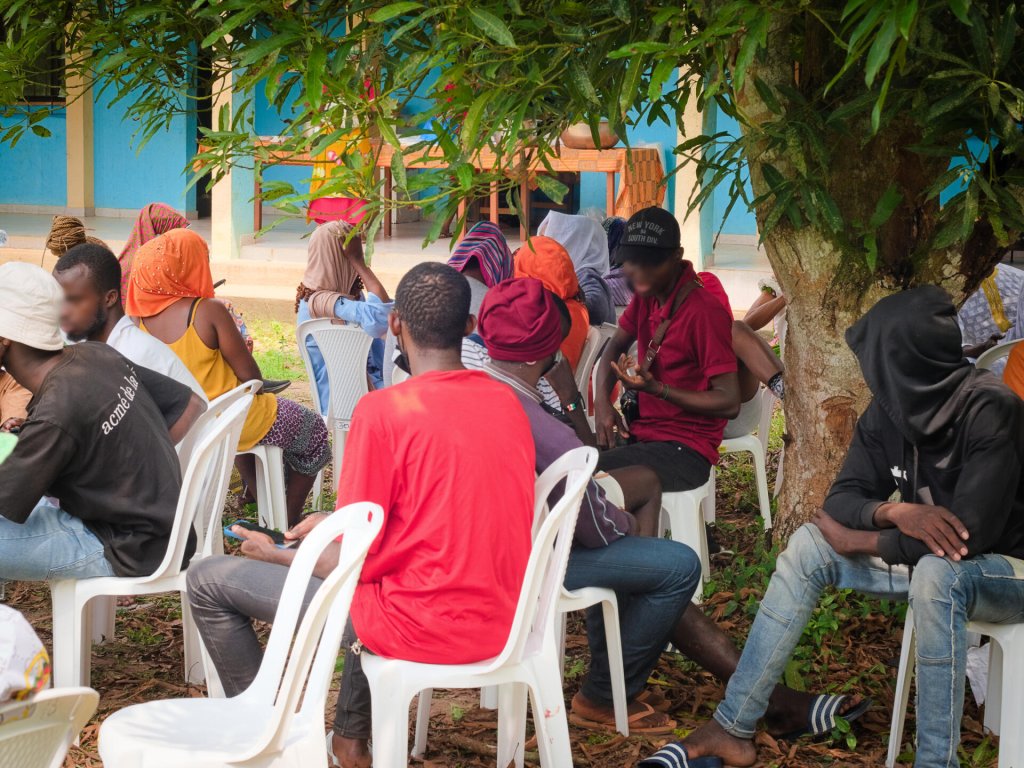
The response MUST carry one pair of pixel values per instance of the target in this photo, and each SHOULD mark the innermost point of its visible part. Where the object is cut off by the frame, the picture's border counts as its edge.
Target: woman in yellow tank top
(169, 282)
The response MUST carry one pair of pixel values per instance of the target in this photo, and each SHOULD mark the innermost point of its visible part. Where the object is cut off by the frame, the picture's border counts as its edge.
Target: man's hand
(11, 424)
(937, 527)
(257, 545)
(632, 375)
(560, 377)
(608, 425)
(845, 541)
(304, 526)
(979, 349)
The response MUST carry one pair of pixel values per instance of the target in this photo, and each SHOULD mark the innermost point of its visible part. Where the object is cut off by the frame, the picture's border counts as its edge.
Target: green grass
(275, 350)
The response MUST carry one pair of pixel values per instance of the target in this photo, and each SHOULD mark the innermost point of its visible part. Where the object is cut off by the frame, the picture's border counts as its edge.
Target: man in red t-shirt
(442, 581)
(687, 386)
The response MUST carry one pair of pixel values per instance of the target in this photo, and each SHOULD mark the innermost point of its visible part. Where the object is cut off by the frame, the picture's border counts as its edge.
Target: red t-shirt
(697, 347)
(450, 458)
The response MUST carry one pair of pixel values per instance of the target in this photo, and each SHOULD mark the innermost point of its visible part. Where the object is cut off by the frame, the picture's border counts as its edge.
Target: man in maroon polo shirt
(685, 386)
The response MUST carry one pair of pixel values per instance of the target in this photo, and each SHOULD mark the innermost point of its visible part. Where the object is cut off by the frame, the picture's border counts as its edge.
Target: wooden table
(642, 183)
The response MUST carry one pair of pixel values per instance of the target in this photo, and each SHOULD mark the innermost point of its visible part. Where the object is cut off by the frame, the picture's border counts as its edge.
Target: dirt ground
(854, 646)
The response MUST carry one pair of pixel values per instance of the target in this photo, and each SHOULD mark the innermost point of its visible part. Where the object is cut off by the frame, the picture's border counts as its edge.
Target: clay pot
(578, 136)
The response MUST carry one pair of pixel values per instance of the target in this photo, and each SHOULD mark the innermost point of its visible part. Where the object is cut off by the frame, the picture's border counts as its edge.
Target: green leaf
(871, 251)
(492, 26)
(398, 174)
(314, 76)
(994, 97)
(552, 187)
(389, 12)
(42, 131)
(767, 96)
(464, 173)
(582, 81)
(879, 52)
(471, 123)
(887, 203)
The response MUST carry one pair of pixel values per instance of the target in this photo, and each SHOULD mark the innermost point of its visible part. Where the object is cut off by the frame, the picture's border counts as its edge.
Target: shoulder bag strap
(659, 335)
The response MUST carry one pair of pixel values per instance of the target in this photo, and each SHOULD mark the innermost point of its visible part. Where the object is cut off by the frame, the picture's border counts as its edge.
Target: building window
(44, 82)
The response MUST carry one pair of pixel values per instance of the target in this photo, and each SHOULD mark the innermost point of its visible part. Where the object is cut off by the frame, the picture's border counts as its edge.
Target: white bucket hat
(30, 300)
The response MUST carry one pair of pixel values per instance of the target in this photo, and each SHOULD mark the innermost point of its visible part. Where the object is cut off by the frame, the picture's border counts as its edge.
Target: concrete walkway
(264, 279)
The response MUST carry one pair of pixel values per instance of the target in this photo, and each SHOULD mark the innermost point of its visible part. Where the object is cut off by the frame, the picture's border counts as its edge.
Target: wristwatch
(576, 404)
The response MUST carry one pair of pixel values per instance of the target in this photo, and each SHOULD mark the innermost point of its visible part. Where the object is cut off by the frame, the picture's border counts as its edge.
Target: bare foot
(351, 753)
(711, 740)
(790, 710)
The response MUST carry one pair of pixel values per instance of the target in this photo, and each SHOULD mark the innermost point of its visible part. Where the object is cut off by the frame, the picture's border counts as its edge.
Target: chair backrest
(989, 357)
(204, 485)
(299, 662)
(213, 411)
(597, 340)
(344, 349)
(38, 732)
(538, 599)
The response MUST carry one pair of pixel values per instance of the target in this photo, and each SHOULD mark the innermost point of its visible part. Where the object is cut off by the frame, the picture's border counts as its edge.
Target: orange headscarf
(546, 260)
(172, 266)
(1013, 373)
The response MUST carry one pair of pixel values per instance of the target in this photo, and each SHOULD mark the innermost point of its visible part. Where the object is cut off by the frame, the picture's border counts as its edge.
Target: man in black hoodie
(949, 441)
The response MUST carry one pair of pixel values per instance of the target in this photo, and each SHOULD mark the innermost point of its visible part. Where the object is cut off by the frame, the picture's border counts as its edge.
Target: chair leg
(617, 672)
(763, 499)
(69, 632)
(101, 618)
(512, 724)
(905, 677)
(1011, 741)
(390, 722)
(687, 526)
(549, 717)
(264, 493)
(996, 691)
(194, 667)
(489, 697)
(419, 744)
(707, 504)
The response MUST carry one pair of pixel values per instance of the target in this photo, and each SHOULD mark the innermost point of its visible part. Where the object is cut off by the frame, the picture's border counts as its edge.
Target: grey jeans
(226, 594)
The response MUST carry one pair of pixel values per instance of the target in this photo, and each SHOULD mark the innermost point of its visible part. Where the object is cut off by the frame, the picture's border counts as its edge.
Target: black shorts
(678, 466)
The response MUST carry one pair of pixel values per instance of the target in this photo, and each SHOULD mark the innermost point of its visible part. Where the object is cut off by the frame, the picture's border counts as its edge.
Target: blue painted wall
(740, 220)
(271, 122)
(128, 178)
(35, 172)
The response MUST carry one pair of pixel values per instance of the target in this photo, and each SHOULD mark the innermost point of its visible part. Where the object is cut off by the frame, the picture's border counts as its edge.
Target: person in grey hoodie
(946, 441)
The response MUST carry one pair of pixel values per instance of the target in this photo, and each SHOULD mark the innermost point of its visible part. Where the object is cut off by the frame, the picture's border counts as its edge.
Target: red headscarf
(519, 321)
(173, 266)
(547, 261)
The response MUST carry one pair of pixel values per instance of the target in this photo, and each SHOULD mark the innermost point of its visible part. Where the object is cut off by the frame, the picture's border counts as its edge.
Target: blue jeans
(50, 544)
(946, 594)
(654, 580)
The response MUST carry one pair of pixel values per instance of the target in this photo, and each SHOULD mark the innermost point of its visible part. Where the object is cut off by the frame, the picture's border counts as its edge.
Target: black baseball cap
(651, 236)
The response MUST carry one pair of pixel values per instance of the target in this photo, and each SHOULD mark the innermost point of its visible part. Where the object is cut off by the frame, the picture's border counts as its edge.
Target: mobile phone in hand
(276, 536)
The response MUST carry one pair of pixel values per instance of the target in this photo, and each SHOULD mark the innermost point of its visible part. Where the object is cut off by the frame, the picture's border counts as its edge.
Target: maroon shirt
(697, 347)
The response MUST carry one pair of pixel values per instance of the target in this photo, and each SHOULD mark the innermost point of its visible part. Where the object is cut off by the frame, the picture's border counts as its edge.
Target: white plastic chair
(586, 371)
(278, 720)
(1004, 700)
(345, 349)
(529, 661)
(37, 733)
(200, 503)
(682, 516)
(990, 357)
(756, 446)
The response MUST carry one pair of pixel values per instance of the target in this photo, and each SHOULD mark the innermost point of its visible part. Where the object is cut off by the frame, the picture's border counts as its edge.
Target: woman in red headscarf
(544, 259)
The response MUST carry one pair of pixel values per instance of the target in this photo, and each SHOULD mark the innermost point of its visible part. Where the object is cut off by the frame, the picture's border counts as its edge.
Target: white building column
(686, 183)
(230, 206)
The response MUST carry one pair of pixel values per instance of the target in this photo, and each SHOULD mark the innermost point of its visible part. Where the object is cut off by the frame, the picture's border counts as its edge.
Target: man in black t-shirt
(92, 486)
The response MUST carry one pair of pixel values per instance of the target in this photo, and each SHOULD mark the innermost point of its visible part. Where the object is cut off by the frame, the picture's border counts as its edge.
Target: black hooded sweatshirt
(937, 430)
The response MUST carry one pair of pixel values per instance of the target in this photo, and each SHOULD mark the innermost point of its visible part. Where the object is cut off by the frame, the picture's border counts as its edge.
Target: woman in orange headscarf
(544, 259)
(170, 290)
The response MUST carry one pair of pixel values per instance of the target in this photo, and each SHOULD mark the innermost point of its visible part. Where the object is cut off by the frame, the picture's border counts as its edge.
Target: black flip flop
(822, 719)
(674, 755)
